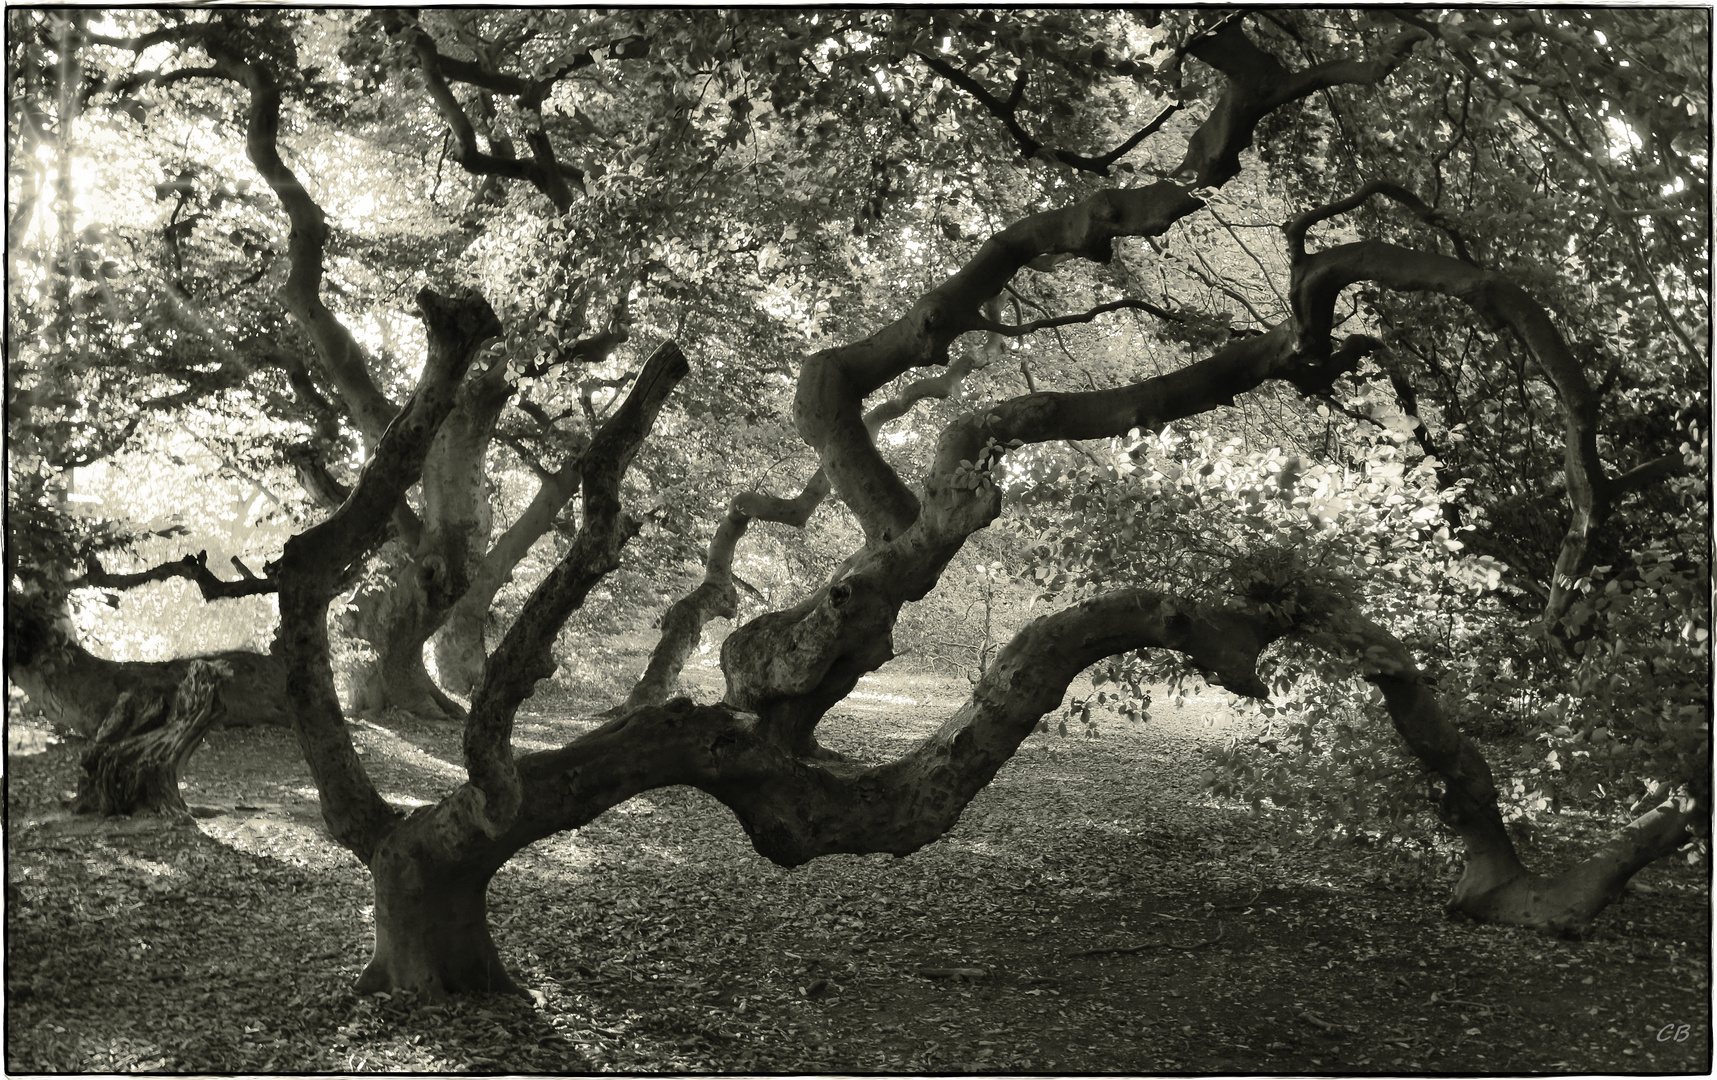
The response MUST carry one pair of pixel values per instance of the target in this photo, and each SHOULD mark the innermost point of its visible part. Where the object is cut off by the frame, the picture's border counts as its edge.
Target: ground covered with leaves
(1092, 912)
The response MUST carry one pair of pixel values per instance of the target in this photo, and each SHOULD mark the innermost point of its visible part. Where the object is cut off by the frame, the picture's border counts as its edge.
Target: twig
(114, 914)
(1247, 904)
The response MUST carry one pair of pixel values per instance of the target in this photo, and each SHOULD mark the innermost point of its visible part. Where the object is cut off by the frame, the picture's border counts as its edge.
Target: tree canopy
(1355, 361)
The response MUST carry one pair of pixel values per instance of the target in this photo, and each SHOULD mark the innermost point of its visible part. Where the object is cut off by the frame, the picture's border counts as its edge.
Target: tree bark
(460, 647)
(134, 765)
(396, 617)
(399, 679)
(463, 643)
(432, 928)
(716, 597)
(316, 560)
(439, 568)
(794, 809)
(431, 936)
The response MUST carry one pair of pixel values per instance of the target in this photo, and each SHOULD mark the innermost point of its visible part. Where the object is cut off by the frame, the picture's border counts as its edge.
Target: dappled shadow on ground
(1090, 912)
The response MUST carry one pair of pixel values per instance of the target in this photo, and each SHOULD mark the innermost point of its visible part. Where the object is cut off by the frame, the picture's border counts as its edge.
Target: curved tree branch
(796, 809)
(1319, 278)
(716, 596)
(1494, 885)
(340, 353)
(1260, 84)
(1295, 230)
(833, 381)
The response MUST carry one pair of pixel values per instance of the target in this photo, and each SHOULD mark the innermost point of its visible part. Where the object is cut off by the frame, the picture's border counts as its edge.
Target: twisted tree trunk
(757, 751)
(432, 924)
(134, 765)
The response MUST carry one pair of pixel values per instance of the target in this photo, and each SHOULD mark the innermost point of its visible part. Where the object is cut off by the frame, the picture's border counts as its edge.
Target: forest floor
(1093, 911)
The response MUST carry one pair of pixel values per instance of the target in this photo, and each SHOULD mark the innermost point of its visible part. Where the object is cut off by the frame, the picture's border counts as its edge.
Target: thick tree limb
(1258, 84)
(1319, 278)
(842, 631)
(310, 568)
(1602, 182)
(833, 381)
(716, 596)
(144, 742)
(1239, 366)
(1647, 474)
(542, 170)
(491, 799)
(798, 809)
(466, 71)
(1296, 229)
(1494, 885)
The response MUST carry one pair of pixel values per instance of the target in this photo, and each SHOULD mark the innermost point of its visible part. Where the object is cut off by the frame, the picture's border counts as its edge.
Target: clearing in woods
(1093, 911)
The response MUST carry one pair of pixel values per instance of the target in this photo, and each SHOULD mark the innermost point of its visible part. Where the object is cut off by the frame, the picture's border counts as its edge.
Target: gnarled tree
(1275, 75)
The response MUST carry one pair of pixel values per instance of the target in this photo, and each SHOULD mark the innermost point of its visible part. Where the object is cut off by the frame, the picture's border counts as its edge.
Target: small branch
(320, 484)
(343, 358)
(1008, 113)
(541, 471)
(1295, 230)
(1022, 329)
(1269, 278)
(538, 413)
(1602, 182)
(1101, 165)
(193, 568)
(1312, 1018)
(106, 447)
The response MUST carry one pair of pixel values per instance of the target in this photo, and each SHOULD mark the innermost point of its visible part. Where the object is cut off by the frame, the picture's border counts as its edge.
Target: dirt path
(1092, 912)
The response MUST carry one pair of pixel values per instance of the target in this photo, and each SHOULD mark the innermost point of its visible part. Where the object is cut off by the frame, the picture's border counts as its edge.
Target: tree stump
(134, 765)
